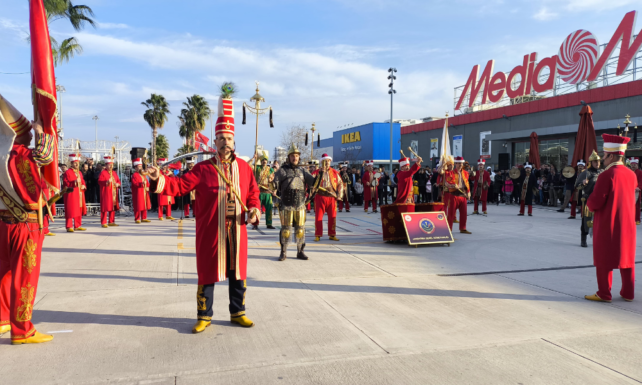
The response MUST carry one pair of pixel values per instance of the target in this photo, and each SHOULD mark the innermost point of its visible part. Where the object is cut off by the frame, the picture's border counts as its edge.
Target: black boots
(300, 254)
(284, 252)
(583, 244)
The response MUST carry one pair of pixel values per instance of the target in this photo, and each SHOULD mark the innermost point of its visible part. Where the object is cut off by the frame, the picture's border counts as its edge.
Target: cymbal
(568, 172)
(514, 173)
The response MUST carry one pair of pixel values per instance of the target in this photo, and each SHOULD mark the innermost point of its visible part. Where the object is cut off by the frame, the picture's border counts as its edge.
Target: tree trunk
(155, 131)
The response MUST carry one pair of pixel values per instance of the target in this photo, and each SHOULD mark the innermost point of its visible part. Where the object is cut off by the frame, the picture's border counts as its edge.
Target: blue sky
(317, 61)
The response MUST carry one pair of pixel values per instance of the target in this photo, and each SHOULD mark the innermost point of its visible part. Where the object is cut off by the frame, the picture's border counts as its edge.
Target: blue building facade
(367, 142)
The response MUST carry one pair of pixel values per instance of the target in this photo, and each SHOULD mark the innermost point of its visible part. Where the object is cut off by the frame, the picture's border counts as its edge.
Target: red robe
(211, 263)
(486, 184)
(108, 191)
(164, 199)
(405, 185)
(74, 201)
(140, 193)
(614, 232)
(369, 191)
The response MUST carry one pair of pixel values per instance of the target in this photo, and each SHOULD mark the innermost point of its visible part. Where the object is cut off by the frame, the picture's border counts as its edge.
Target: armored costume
(291, 181)
(345, 179)
(590, 176)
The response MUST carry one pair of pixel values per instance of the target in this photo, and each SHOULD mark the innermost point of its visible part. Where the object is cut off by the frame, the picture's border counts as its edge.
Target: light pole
(60, 89)
(95, 119)
(391, 91)
(257, 110)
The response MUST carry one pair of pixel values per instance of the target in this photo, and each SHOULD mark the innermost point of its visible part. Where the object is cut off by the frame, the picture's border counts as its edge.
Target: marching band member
(614, 234)
(165, 201)
(482, 183)
(456, 181)
(75, 206)
(345, 178)
(140, 193)
(572, 193)
(370, 184)
(264, 177)
(405, 181)
(530, 183)
(584, 185)
(330, 189)
(189, 199)
(109, 202)
(228, 197)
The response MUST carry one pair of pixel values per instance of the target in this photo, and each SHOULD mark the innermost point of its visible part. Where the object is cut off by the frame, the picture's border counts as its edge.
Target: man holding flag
(25, 175)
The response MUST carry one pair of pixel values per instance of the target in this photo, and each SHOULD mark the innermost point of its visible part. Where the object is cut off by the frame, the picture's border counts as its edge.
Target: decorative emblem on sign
(440, 217)
(427, 226)
(408, 218)
(577, 56)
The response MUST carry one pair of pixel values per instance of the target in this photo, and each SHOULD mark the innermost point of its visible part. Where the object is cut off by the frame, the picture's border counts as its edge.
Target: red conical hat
(615, 143)
(403, 162)
(225, 120)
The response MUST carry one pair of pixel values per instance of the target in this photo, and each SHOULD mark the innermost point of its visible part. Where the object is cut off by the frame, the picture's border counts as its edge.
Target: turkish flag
(43, 83)
(201, 141)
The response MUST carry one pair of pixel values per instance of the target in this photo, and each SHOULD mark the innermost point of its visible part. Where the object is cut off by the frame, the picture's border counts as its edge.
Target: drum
(429, 207)
(391, 221)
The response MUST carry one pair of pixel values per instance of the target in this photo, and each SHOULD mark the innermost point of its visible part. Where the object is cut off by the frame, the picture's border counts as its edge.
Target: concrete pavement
(501, 306)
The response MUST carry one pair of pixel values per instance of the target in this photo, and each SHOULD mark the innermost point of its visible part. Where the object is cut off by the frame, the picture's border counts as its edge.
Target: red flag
(586, 142)
(533, 155)
(43, 83)
(202, 141)
(176, 166)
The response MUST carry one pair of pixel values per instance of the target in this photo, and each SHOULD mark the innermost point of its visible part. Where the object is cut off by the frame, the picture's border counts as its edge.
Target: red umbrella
(533, 155)
(586, 141)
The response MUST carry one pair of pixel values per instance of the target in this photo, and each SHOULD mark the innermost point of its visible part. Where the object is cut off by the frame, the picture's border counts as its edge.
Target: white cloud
(593, 5)
(545, 14)
(112, 25)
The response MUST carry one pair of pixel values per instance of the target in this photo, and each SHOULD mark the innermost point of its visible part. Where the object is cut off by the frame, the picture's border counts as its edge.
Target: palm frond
(228, 90)
(66, 50)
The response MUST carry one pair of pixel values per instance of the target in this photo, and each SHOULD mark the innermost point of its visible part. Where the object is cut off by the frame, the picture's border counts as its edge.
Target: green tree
(193, 117)
(185, 149)
(162, 146)
(156, 117)
(79, 16)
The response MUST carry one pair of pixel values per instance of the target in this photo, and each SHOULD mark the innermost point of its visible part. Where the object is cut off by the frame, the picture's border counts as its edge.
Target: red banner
(176, 166)
(43, 82)
(202, 141)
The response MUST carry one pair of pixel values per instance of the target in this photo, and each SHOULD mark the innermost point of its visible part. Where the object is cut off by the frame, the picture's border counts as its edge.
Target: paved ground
(121, 303)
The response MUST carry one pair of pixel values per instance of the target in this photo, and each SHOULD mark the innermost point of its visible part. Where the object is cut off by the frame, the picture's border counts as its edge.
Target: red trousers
(20, 250)
(477, 204)
(325, 205)
(139, 215)
(168, 209)
(573, 208)
(186, 210)
(346, 202)
(105, 214)
(70, 222)
(461, 204)
(521, 207)
(605, 281)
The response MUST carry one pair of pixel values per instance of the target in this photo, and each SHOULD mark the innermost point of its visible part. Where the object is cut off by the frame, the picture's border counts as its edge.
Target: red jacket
(108, 191)
(75, 200)
(405, 185)
(485, 184)
(614, 233)
(140, 193)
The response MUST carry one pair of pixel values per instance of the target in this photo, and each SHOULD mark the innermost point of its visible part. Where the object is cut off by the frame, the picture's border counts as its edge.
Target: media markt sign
(579, 59)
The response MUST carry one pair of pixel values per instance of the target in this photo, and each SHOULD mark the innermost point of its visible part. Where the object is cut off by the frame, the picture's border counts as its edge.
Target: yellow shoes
(5, 329)
(456, 221)
(243, 321)
(637, 223)
(112, 225)
(594, 297)
(50, 235)
(160, 219)
(80, 229)
(475, 212)
(485, 213)
(200, 326)
(626, 299)
(465, 232)
(334, 239)
(171, 218)
(70, 230)
(105, 226)
(146, 220)
(137, 221)
(37, 338)
(317, 239)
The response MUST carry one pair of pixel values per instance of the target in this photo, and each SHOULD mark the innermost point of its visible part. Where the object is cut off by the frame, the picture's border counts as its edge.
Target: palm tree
(79, 16)
(185, 149)
(193, 117)
(156, 116)
(162, 146)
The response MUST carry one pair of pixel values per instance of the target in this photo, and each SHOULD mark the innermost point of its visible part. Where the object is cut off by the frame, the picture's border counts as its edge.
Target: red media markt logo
(577, 56)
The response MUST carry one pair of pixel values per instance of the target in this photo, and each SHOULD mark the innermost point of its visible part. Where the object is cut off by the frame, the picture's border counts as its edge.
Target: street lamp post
(391, 91)
(95, 119)
(60, 89)
(257, 110)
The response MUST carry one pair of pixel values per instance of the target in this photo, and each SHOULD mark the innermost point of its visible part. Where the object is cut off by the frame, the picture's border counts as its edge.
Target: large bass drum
(392, 222)
(430, 207)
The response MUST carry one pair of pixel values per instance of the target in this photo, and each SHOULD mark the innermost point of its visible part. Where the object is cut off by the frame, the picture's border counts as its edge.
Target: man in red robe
(223, 210)
(449, 165)
(456, 181)
(345, 178)
(404, 180)
(614, 235)
(482, 183)
(370, 184)
(21, 197)
(635, 166)
(140, 192)
(165, 201)
(109, 202)
(75, 206)
(325, 201)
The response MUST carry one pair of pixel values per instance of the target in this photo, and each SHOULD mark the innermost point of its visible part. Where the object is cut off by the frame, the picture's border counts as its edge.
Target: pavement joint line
(364, 261)
(345, 318)
(593, 361)
(520, 271)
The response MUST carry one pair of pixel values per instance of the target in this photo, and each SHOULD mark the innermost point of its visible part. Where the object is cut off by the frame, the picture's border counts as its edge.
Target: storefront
(365, 142)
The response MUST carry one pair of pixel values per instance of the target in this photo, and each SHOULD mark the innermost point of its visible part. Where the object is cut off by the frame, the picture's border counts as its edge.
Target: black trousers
(236, 291)
(383, 197)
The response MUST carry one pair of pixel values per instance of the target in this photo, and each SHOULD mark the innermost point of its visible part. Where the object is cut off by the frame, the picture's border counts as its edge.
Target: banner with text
(427, 228)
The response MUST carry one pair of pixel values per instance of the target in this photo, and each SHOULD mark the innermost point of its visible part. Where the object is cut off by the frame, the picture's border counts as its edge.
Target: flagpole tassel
(306, 139)
(319, 141)
(243, 114)
(271, 122)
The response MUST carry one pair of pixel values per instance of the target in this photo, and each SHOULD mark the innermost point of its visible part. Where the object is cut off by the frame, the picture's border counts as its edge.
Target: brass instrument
(568, 172)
